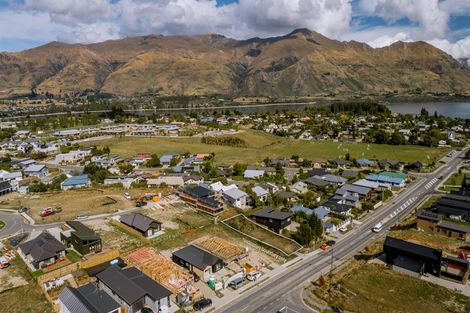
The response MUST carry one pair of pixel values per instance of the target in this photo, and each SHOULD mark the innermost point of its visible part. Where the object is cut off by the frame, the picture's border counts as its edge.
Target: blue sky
(444, 23)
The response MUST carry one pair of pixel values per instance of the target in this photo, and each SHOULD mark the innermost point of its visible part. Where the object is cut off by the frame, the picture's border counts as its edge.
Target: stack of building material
(161, 269)
(223, 249)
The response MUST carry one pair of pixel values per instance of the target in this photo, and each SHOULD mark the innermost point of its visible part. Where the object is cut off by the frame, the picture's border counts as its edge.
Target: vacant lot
(261, 145)
(250, 228)
(375, 288)
(24, 299)
(72, 202)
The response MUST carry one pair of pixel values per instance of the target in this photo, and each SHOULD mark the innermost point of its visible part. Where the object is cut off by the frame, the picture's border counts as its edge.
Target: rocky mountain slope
(300, 63)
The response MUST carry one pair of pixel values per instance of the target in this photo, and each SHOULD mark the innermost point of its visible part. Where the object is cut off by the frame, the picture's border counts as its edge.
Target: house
(412, 257)
(366, 183)
(23, 163)
(270, 187)
(285, 195)
(301, 208)
(42, 251)
(316, 181)
(388, 179)
(388, 164)
(261, 193)
(235, 197)
(169, 180)
(321, 212)
(454, 206)
(253, 174)
(415, 166)
(432, 222)
(126, 181)
(83, 239)
(272, 219)
(365, 163)
(75, 182)
(268, 170)
(300, 187)
(166, 158)
(340, 163)
(36, 170)
(145, 225)
(5, 188)
(349, 174)
(203, 198)
(339, 206)
(354, 190)
(318, 172)
(332, 179)
(7, 176)
(318, 162)
(87, 299)
(133, 289)
(198, 261)
(193, 179)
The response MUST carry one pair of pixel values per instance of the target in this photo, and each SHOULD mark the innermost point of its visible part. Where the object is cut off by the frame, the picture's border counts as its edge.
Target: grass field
(261, 145)
(438, 241)
(250, 228)
(24, 299)
(454, 182)
(72, 202)
(375, 288)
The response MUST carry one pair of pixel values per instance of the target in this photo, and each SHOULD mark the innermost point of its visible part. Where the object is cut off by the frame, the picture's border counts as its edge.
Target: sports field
(260, 145)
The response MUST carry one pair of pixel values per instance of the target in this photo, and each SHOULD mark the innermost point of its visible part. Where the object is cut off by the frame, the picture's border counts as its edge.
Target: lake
(451, 109)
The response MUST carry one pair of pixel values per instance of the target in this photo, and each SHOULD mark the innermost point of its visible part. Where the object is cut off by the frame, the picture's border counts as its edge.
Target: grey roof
(197, 257)
(260, 191)
(272, 213)
(413, 248)
(334, 179)
(429, 216)
(35, 168)
(235, 193)
(43, 247)
(284, 194)
(138, 221)
(151, 287)
(454, 226)
(200, 191)
(4, 185)
(364, 191)
(131, 284)
(87, 299)
(316, 181)
(454, 201)
(83, 232)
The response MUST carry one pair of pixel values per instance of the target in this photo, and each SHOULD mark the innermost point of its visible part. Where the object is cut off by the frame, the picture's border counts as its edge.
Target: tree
(304, 235)
(424, 112)
(154, 161)
(238, 169)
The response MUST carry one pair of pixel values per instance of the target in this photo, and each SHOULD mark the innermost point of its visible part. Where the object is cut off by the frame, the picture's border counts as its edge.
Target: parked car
(202, 304)
(237, 283)
(127, 196)
(81, 217)
(252, 276)
(46, 212)
(23, 210)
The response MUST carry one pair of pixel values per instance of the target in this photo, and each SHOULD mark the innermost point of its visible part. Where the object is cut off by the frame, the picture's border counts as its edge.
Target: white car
(252, 276)
(127, 196)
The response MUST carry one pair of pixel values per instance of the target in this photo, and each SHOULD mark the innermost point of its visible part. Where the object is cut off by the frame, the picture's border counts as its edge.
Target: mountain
(300, 63)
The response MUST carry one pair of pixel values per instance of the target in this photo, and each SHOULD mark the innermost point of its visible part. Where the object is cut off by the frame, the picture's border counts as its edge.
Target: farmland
(260, 145)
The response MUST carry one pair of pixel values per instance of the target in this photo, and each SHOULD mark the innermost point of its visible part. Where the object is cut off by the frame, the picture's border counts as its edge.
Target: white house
(235, 197)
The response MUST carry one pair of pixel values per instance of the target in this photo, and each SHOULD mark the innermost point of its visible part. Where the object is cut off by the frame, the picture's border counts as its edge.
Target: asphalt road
(284, 290)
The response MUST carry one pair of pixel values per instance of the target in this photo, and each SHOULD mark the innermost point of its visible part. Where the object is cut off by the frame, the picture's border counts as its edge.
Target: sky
(443, 23)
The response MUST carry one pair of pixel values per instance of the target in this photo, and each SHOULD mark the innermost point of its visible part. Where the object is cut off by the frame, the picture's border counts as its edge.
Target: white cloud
(459, 49)
(426, 13)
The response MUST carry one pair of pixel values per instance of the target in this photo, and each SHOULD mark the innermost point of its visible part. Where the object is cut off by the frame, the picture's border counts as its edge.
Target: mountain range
(298, 64)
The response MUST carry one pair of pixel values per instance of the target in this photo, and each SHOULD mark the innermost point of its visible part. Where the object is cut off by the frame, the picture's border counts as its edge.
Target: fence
(99, 259)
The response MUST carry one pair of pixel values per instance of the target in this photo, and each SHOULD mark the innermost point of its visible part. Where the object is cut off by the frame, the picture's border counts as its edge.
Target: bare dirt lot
(72, 202)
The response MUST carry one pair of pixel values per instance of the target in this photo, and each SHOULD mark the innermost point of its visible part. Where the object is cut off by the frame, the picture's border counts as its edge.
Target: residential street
(284, 289)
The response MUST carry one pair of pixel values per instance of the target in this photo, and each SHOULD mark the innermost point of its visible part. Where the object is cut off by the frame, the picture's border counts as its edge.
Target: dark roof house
(43, 250)
(86, 299)
(273, 219)
(142, 223)
(82, 238)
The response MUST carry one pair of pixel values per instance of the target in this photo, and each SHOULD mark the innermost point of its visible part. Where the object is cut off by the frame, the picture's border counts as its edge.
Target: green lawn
(73, 256)
(375, 288)
(456, 179)
(261, 145)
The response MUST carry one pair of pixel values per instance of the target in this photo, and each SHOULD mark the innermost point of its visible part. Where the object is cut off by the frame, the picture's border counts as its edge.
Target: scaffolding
(161, 269)
(223, 249)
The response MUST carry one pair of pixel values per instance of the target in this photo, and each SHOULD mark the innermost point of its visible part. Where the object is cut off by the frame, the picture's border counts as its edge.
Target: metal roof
(138, 221)
(235, 193)
(87, 299)
(272, 214)
(197, 257)
(413, 248)
(76, 181)
(364, 191)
